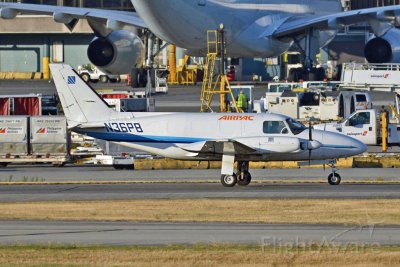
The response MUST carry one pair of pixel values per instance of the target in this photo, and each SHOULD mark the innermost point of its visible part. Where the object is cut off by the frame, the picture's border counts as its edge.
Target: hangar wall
(24, 53)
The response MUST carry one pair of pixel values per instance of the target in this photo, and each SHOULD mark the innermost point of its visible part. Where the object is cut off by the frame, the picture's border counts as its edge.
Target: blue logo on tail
(71, 79)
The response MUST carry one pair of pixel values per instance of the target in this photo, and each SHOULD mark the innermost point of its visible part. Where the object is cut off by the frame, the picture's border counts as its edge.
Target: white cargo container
(13, 135)
(49, 135)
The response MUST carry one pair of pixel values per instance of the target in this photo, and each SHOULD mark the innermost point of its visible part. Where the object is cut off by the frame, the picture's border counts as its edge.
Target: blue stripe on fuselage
(123, 137)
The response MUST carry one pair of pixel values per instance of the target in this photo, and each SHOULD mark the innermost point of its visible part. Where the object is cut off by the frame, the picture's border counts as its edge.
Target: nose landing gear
(333, 178)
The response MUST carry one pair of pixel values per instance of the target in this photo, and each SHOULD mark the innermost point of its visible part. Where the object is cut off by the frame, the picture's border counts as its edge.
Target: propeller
(310, 139)
(312, 144)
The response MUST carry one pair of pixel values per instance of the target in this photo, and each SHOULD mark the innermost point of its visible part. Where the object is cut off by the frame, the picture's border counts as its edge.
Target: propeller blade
(309, 141)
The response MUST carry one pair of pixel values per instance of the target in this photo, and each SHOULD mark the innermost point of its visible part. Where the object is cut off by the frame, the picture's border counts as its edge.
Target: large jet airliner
(254, 28)
(225, 137)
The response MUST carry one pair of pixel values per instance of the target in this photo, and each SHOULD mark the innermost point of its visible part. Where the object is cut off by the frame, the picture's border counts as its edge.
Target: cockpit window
(274, 127)
(295, 126)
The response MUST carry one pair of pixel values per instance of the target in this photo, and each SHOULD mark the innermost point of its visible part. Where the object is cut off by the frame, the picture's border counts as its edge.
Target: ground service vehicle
(365, 126)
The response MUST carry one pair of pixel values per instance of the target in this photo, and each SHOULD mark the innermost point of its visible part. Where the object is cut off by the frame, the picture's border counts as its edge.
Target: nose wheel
(334, 178)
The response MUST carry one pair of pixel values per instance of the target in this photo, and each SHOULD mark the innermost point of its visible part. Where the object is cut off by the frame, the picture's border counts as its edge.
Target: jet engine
(384, 49)
(117, 53)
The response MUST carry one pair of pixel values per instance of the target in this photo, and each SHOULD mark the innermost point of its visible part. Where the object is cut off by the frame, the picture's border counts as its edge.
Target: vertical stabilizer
(80, 102)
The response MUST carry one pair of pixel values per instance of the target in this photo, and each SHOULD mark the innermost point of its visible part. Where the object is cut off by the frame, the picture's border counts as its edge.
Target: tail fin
(80, 102)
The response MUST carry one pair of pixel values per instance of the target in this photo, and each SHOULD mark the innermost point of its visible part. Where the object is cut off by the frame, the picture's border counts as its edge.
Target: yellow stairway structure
(216, 84)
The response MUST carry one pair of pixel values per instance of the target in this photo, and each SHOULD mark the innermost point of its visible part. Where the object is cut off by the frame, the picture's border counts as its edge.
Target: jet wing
(217, 147)
(70, 15)
(386, 17)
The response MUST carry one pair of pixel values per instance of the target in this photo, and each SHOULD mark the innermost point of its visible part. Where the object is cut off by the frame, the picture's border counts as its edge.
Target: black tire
(138, 78)
(245, 181)
(3, 164)
(229, 180)
(103, 79)
(134, 78)
(142, 78)
(334, 179)
(153, 78)
(85, 77)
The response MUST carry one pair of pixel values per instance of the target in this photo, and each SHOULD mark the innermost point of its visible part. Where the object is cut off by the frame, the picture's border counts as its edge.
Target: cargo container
(33, 140)
(28, 105)
(48, 135)
(13, 135)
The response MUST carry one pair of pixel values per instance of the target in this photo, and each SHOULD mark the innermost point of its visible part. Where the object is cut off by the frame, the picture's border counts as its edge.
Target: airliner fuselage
(185, 22)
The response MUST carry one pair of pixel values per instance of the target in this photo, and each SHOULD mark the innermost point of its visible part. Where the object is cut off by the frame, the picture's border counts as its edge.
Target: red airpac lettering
(236, 118)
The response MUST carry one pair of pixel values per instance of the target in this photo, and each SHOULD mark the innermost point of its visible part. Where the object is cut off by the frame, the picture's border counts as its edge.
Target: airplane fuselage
(171, 134)
(185, 22)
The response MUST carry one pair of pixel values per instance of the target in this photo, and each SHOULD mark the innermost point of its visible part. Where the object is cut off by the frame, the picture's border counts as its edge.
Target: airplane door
(360, 127)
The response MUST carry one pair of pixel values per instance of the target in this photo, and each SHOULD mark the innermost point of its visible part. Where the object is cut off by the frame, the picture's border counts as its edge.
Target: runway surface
(15, 193)
(125, 233)
(47, 173)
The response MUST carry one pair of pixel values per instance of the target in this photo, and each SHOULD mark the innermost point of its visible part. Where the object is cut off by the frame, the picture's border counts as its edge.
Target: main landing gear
(242, 177)
(333, 178)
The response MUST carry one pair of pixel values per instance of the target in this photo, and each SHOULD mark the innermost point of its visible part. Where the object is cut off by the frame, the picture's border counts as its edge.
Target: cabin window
(360, 119)
(274, 127)
(361, 98)
(295, 126)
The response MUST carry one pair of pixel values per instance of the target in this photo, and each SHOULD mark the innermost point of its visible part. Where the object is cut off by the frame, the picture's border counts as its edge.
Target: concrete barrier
(21, 75)
(169, 164)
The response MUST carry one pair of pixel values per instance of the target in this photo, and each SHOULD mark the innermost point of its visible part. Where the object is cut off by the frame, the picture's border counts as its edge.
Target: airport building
(25, 41)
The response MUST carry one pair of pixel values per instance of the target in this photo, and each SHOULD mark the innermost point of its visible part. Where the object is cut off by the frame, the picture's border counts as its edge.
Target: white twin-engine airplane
(254, 28)
(228, 137)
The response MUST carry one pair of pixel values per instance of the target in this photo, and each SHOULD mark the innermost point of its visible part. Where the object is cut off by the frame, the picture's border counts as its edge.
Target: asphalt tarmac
(283, 237)
(71, 173)
(19, 193)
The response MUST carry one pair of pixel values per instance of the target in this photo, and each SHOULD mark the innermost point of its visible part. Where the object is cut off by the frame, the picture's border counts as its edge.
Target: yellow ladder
(212, 86)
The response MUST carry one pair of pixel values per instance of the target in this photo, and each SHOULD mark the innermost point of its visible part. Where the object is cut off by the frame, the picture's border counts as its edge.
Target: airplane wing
(380, 19)
(217, 147)
(246, 145)
(70, 15)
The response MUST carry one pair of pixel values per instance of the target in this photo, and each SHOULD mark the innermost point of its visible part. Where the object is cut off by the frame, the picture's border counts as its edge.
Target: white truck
(364, 125)
(92, 74)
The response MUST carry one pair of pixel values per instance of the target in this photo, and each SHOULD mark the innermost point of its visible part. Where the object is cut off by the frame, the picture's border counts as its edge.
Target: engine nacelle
(117, 53)
(384, 49)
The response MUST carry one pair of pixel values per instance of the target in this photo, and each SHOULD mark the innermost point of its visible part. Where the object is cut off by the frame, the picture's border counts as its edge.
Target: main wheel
(229, 180)
(334, 179)
(245, 180)
(86, 77)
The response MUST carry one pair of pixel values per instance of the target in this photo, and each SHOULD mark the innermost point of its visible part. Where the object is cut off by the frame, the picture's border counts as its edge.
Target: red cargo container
(4, 106)
(27, 106)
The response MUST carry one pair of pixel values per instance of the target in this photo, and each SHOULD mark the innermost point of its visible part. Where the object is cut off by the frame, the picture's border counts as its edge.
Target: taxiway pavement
(66, 192)
(70, 173)
(126, 233)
